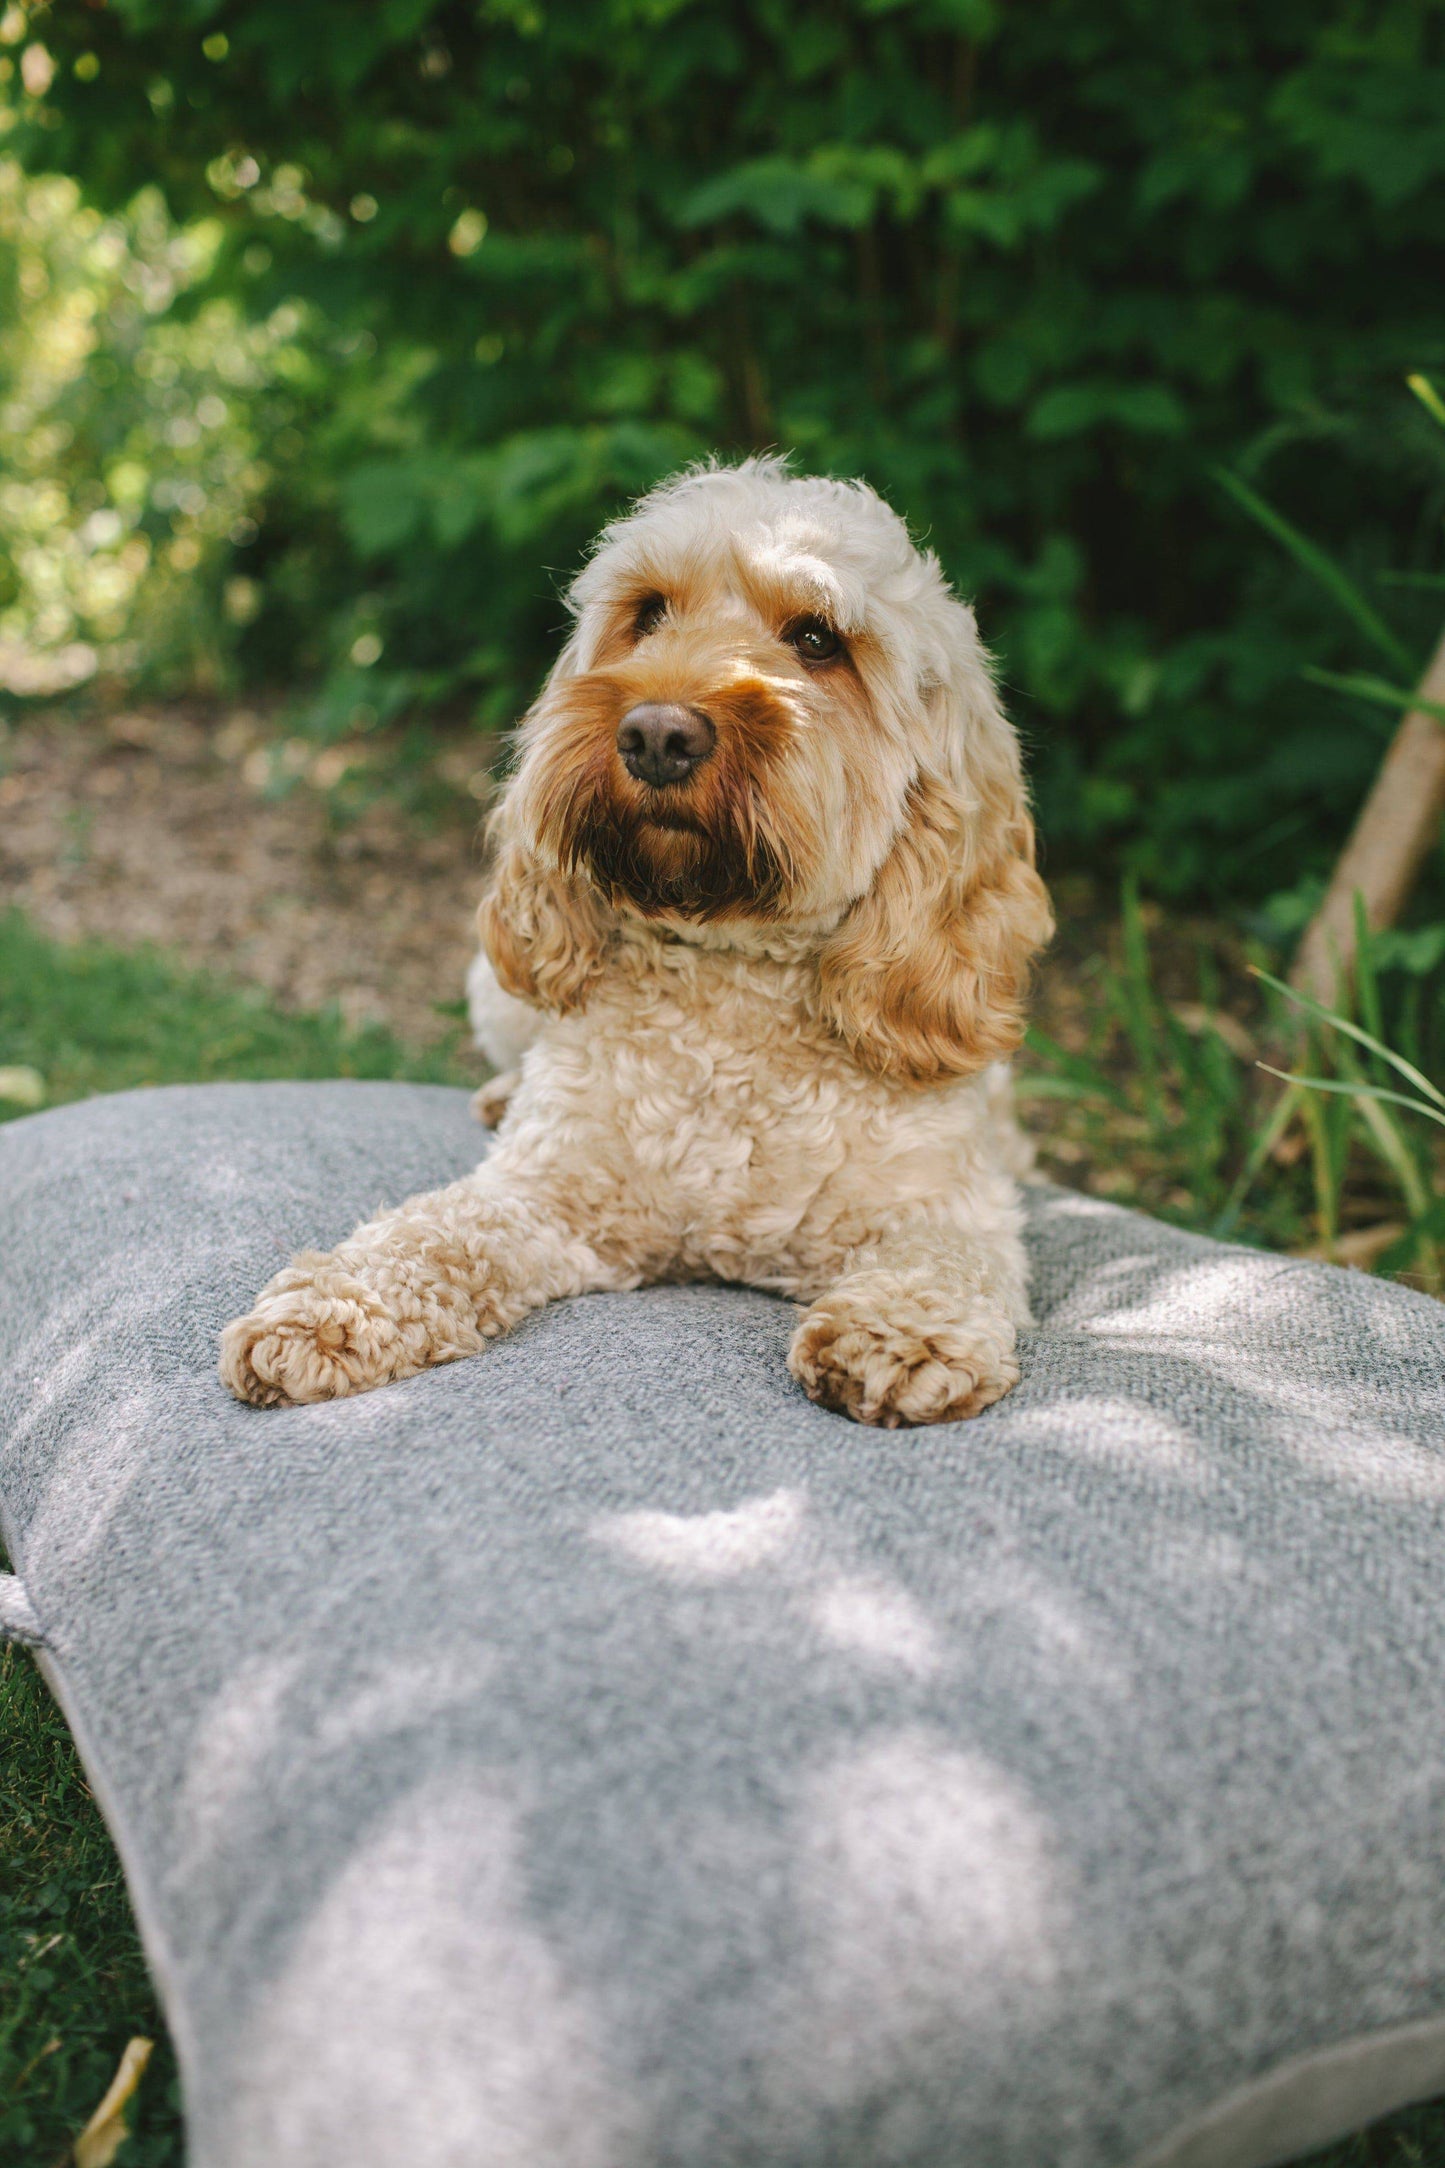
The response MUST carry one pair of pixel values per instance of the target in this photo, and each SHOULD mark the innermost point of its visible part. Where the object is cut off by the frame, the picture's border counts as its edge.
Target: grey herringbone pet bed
(595, 1756)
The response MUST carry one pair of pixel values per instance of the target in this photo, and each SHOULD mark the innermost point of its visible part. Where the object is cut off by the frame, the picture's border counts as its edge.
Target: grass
(95, 1019)
(1167, 1094)
(1162, 1087)
(73, 1983)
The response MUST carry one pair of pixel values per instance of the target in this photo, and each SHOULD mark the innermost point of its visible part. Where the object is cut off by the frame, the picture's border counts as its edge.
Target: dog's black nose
(662, 742)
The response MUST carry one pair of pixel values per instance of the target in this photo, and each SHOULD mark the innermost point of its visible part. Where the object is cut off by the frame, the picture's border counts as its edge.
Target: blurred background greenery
(331, 333)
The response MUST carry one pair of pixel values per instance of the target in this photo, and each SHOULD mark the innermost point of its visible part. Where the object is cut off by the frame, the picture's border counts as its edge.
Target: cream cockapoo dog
(759, 921)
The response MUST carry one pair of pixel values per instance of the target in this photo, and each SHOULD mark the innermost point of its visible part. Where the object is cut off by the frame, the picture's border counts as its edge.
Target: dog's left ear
(926, 976)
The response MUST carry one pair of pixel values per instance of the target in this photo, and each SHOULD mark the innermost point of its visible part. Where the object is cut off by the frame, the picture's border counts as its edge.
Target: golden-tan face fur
(863, 805)
(740, 838)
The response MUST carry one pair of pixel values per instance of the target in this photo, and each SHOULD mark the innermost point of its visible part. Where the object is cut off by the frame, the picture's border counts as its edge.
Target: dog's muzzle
(662, 742)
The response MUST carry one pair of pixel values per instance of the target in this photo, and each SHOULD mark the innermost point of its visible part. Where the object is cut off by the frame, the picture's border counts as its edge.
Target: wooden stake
(1396, 829)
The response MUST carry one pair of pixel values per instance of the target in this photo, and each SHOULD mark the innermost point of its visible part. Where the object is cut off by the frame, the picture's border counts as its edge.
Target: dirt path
(163, 826)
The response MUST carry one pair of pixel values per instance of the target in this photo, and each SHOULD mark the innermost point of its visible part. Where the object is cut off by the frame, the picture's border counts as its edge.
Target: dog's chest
(726, 1139)
(722, 1117)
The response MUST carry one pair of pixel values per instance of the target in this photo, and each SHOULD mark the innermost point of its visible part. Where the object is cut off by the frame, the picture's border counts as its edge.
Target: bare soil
(184, 829)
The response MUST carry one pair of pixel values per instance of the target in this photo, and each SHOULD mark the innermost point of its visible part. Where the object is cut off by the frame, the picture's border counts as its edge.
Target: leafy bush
(134, 432)
(1031, 270)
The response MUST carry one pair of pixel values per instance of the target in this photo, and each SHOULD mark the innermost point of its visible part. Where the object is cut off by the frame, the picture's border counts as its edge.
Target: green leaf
(1152, 409)
(1068, 410)
(780, 195)
(1417, 950)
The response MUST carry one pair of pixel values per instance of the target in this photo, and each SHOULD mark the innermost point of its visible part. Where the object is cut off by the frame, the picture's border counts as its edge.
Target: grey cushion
(595, 1756)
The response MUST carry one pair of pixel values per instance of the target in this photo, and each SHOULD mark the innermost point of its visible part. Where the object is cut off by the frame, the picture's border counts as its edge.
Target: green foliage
(1166, 1098)
(1364, 1090)
(1032, 271)
(132, 430)
(1336, 582)
(1321, 568)
(1367, 1073)
(1164, 1086)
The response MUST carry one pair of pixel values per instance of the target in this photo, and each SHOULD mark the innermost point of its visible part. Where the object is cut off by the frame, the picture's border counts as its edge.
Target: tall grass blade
(1264, 1143)
(1367, 985)
(1083, 1076)
(1326, 1161)
(1354, 1088)
(1376, 690)
(1139, 1003)
(1428, 397)
(1389, 1141)
(1320, 566)
(1052, 1087)
(1366, 1039)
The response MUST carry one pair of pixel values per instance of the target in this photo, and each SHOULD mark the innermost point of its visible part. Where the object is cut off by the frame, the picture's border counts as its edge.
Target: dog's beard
(730, 842)
(669, 861)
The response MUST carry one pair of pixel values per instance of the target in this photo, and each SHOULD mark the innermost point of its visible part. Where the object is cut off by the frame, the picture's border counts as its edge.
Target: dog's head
(773, 717)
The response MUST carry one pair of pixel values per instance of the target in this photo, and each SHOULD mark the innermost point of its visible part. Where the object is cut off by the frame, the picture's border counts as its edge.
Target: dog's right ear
(544, 930)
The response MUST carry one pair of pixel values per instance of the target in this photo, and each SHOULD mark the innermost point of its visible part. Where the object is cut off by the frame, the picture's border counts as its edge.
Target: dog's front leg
(430, 1282)
(919, 1328)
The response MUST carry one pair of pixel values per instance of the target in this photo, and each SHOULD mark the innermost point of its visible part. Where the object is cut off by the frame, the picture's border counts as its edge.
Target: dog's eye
(814, 640)
(649, 615)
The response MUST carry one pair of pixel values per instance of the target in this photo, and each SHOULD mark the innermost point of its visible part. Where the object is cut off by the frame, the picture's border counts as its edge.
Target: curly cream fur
(748, 1022)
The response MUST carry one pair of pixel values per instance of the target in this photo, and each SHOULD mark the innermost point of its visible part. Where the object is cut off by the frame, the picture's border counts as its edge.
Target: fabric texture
(594, 1755)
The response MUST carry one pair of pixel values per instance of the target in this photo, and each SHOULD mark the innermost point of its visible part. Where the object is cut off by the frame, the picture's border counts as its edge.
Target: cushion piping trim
(18, 1621)
(1310, 2101)
(159, 1957)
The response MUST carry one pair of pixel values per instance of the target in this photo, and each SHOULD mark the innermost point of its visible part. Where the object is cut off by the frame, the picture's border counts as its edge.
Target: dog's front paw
(312, 1336)
(887, 1354)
